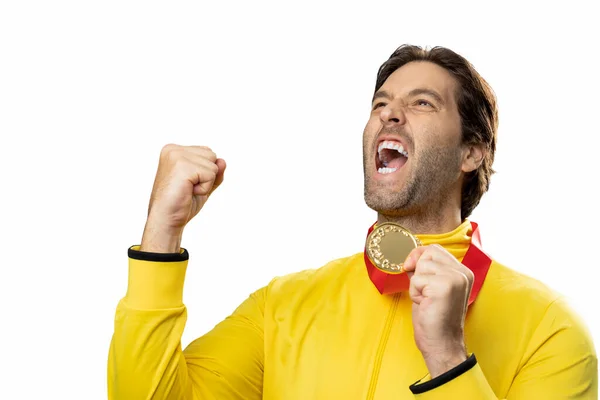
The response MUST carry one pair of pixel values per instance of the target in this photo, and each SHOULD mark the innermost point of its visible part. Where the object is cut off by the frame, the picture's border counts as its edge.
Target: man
(448, 323)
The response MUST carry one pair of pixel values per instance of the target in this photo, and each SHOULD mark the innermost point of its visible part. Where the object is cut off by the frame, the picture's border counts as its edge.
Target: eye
(377, 105)
(423, 103)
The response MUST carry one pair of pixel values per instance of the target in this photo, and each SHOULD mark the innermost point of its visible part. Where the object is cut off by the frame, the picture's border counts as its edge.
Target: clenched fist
(186, 177)
(439, 288)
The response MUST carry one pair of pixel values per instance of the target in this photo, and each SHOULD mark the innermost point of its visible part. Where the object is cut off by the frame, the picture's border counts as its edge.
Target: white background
(91, 91)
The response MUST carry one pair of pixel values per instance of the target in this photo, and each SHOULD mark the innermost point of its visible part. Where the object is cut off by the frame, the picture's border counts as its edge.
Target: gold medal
(388, 245)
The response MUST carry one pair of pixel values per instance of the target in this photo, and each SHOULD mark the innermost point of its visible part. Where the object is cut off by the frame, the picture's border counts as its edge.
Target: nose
(392, 115)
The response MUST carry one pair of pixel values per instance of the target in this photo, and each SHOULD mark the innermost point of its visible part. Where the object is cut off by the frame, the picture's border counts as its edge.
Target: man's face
(412, 151)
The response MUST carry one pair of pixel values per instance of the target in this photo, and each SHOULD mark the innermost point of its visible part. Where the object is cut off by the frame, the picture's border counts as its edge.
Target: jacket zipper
(382, 345)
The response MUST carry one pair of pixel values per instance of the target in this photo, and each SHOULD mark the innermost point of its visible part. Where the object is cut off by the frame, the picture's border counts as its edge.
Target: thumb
(410, 264)
(222, 165)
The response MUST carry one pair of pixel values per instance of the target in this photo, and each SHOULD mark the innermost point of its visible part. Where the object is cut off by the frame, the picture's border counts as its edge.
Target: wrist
(442, 361)
(157, 239)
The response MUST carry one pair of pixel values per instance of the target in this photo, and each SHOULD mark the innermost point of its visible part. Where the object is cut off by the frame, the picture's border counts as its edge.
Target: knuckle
(169, 152)
(209, 172)
(432, 248)
(462, 280)
(175, 156)
(168, 148)
(178, 161)
(470, 275)
(206, 174)
(212, 155)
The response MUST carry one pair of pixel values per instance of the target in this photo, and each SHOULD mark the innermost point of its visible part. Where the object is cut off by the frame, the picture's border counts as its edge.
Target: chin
(384, 204)
(386, 200)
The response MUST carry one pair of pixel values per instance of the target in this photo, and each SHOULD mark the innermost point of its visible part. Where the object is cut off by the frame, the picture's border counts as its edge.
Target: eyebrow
(379, 94)
(429, 92)
(414, 92)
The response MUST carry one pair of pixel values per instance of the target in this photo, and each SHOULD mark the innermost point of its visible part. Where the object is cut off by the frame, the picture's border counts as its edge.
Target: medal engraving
(388, 245)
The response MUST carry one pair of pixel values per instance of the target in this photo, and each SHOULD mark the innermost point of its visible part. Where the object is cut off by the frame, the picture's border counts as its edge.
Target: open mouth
(391, 156)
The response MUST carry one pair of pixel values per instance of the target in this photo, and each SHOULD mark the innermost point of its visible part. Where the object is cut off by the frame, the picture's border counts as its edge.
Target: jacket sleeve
(146, 360)
(560, 363)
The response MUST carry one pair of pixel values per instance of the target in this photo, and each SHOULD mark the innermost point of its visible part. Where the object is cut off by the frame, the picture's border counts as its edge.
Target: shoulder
(325, 277)
(519, 303)
(527, 301)
(535, 328)
(517, 287)
(316, 276)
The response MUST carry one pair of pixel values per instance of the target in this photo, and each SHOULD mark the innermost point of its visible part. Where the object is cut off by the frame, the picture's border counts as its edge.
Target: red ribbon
(475, 259)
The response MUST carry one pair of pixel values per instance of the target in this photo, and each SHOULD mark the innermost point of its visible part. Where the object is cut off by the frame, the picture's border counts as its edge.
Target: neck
(425, 223)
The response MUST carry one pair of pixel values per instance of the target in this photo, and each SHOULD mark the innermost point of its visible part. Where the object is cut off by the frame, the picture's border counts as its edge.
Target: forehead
(421, 75)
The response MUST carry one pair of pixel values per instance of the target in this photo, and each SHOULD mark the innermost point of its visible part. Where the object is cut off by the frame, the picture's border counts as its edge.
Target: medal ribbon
(475, 259)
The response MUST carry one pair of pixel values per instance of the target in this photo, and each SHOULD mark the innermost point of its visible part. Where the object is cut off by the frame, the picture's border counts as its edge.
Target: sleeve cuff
(465, 381)
(155, 279)
(418, 388)
(135, 253)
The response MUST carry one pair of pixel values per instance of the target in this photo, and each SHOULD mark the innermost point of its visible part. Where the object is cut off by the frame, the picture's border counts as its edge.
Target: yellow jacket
(329, 334)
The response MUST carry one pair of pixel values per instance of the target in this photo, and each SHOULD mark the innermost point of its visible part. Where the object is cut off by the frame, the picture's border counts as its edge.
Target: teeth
(386, 170)
(392, 146)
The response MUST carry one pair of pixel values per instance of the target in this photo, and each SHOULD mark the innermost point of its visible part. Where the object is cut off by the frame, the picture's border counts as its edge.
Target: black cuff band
(158, 257)
(444, 378)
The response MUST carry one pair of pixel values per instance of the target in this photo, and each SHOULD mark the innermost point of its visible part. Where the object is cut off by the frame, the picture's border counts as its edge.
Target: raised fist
(186, 177)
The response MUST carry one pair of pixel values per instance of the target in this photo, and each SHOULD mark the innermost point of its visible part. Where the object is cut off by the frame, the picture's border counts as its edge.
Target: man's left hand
(439, 288)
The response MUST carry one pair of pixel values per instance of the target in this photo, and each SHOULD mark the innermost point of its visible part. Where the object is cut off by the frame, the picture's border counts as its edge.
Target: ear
(473, 157)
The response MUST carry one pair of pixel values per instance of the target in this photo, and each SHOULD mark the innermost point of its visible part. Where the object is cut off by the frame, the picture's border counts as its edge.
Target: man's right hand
(186, 177)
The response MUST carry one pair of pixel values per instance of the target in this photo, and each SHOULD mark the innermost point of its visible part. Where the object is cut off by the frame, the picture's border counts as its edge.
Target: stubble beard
(434, 173)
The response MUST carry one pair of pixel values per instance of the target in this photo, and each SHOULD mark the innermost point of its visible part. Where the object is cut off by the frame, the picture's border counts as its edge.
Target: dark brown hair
(476, 106)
